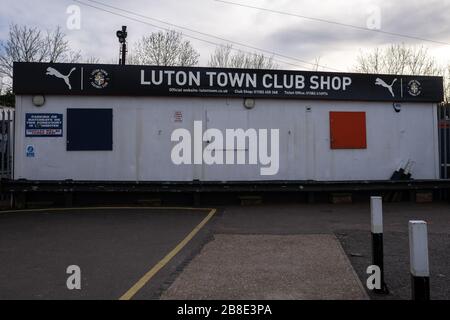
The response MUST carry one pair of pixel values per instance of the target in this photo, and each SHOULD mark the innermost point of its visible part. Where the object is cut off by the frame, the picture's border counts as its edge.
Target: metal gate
(444, 139)
(6, 142)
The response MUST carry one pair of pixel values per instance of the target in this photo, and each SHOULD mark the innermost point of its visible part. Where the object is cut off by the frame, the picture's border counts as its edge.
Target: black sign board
(132, 80)
(43, 125)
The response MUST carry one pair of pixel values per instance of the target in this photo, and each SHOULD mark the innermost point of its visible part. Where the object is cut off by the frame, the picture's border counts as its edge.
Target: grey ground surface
(351, 224)
(396, 259)
(115, 248)
(268, 267)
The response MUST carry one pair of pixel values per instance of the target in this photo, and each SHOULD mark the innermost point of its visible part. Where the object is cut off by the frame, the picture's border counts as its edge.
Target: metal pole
(8, 144)
(440, 140)
(418, 259)
(2, 151)
(124, 51)
(376, 215)
(122, 35)
(445, 131)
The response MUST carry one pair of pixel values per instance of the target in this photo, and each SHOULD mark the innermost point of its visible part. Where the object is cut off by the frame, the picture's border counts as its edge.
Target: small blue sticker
(30, 151)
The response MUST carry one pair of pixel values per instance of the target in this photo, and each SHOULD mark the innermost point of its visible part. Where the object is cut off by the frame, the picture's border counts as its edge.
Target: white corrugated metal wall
(142, 127)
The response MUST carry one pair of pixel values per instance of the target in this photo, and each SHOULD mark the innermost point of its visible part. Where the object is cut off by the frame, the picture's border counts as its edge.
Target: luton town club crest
(99, 78)
(414, 88)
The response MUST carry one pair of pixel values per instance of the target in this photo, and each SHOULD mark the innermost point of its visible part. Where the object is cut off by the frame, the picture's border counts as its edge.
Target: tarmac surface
(113, 249)
(351, 225)
(396, 260)
(287, 244)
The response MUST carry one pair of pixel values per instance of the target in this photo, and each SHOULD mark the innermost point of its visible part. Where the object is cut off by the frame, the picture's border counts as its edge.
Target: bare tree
(398, 59)
(403, 59)
(447, 84)
(92, 60)
(224, 57)
(164, 49)
(316, 65)
(26, 44)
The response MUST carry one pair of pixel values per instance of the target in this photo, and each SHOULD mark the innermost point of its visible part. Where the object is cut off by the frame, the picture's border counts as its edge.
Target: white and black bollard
(376, 217)
(418, 259)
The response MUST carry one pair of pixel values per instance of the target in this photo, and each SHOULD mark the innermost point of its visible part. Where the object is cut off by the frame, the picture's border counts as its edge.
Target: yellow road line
(146, 277)
(101, 208)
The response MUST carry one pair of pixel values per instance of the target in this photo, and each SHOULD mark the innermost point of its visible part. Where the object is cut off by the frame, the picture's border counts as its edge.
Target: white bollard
(376, 214)
(376, 228)
(418, 259)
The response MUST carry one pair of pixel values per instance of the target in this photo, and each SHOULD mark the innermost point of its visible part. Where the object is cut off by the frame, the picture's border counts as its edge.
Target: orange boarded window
(348, 130)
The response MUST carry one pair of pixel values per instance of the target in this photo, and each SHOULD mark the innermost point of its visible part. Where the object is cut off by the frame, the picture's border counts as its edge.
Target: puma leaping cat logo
(53, 72)
(380, 82)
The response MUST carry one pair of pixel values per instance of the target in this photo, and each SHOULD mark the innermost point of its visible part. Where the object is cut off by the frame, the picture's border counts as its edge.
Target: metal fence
(6, 142)
(444, 139)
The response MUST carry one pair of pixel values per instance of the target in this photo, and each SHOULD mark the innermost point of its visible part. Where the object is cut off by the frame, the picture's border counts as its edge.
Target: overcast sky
(302, 39)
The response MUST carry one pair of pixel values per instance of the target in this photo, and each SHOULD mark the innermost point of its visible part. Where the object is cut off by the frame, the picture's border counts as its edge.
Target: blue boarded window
(89, 129)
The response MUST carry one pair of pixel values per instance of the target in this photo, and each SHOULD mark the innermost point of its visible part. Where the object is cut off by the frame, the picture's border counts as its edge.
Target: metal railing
(6, 142)
(444, 140)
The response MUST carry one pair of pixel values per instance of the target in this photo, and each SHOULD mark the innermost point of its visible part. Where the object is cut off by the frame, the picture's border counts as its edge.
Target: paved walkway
(312, 266)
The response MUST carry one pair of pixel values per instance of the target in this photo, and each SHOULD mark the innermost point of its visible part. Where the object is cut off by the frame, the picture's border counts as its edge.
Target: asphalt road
(113, 248)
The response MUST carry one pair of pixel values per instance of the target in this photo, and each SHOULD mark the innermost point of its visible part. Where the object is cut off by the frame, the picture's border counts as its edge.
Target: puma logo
(53, 72)
(380, 82)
